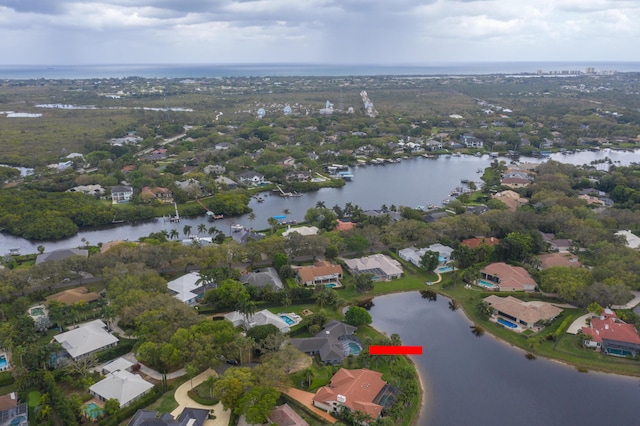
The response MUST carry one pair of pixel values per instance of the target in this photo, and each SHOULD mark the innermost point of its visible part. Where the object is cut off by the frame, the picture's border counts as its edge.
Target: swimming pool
(37, 312)
(354, 348)
(486, 284)
(18, 421)
(92, 410)
(286, 319)
(3, 361)
(331, 285)
(507, 323)
(443, 269)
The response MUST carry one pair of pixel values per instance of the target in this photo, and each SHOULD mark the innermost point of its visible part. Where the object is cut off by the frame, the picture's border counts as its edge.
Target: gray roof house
(331, 344)
(121, 194)
(250, 177)
(263, 277)
(413, 255)
(121, 385)
(188, 417)
(86, 339)
(60, 254)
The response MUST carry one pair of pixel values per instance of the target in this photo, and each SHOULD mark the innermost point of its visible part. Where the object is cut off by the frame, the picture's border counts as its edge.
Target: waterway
(412, 182)
(480, 381)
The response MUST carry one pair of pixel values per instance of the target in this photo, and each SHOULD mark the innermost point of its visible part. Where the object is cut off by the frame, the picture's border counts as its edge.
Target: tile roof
(612, 329)
(476, 242)
(86, 338)
(358, 387)
(511, 277)
(74, 295)
(530, 312)
(284, 415)
(320, 269)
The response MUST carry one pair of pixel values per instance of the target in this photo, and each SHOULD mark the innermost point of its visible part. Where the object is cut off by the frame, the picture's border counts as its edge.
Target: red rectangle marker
(395, 350)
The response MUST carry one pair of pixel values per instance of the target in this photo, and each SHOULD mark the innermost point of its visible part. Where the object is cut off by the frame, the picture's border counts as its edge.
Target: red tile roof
(476, 242)
(359, 387)
(512, 278)
(345, 226)
(609, 329)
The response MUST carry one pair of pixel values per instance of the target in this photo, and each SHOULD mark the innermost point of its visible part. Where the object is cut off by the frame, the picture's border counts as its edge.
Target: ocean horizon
(89, 71)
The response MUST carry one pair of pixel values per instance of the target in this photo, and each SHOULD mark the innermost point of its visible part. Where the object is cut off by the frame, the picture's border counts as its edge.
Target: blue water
(331, 285)
(288, 320)
(296, 70)
(3, 361)
(92, 410)
(354, 348)
(486, 284)
(443, 269)
(507, 323)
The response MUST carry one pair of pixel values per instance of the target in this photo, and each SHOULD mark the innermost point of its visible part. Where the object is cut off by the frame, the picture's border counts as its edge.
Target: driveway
(183, 400)
(630, 304)
(578, 324)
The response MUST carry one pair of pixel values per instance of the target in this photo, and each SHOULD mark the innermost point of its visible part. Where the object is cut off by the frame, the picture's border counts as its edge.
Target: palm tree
(251, 217)
(174, 234)
(320, 205)
(186, 230)
(286, 212)
(212, 231)
(273, 222)
(202, 228)
(247, 308)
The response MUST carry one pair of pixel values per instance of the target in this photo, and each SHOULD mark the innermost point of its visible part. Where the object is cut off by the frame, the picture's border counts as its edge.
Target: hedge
(124, 347)
(6, 378)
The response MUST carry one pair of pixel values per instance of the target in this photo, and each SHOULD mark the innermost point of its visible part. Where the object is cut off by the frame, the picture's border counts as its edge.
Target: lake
(482, 381)
(412, 182)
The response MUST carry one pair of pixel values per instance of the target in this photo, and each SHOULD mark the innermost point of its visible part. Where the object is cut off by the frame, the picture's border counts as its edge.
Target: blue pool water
(17, 421)
(331, 285)
(486, 284)
(507, 323)
(354, 348)
(443, 269)
(3, 361)
(286, 319)
(92, 410)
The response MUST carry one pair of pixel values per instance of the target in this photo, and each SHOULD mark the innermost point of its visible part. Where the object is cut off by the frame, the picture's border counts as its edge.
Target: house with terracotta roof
(507, 277)
(612, 336)
(322, 272)
(344, 226)
(383, 268)
(523, 314)
(283, 415)
(13, 413)
(550, 260)
(512, 199)
(73, 296)
(356, 390)
(163, 195)
(478, 241)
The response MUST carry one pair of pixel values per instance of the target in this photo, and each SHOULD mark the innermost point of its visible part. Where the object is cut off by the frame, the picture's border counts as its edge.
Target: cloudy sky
(317, 31)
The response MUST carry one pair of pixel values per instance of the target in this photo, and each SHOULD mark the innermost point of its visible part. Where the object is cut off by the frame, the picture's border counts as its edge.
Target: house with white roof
(414, 255)
(632, 240)
(263, 317)
(188, 289)
(121, 385)
(382, 267)
(86, 339)
(302, 230)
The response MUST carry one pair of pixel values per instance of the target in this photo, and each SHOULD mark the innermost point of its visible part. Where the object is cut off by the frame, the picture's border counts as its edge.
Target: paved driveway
(183, 400)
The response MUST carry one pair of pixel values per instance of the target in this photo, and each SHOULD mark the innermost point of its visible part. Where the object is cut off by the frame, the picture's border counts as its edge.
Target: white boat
(237, 227)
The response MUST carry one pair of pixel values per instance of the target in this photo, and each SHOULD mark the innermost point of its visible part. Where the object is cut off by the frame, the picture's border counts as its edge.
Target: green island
(228, 323)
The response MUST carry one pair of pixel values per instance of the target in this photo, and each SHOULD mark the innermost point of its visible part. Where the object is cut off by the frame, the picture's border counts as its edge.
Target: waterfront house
(382, 267)
(226, 182)
(122, 386)
(96, 190)
(86, 339)
(322, 272)
(471, 141)
(512, 199)
(356, 390)
(250, 178)
(344, 226)
(524, 314)
(508, 277)
(263, 277)
(163, 195)
(57, 255)
(302, 230)
(331, 344)
(612, 336)
(73, 296)
(121, 194)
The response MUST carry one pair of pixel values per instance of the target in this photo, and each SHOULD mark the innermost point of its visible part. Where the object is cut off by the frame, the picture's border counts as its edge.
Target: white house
(263, 317)
(121, 194)
(302, 230)
(250, 178)
(86, 339)
(121, 385)
(382, 267)
(414, 255)
(187, 289)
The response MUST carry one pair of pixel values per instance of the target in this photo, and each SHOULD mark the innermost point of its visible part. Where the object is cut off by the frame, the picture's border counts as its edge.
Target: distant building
(57, 255)
(121, 194)
(302, 230)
